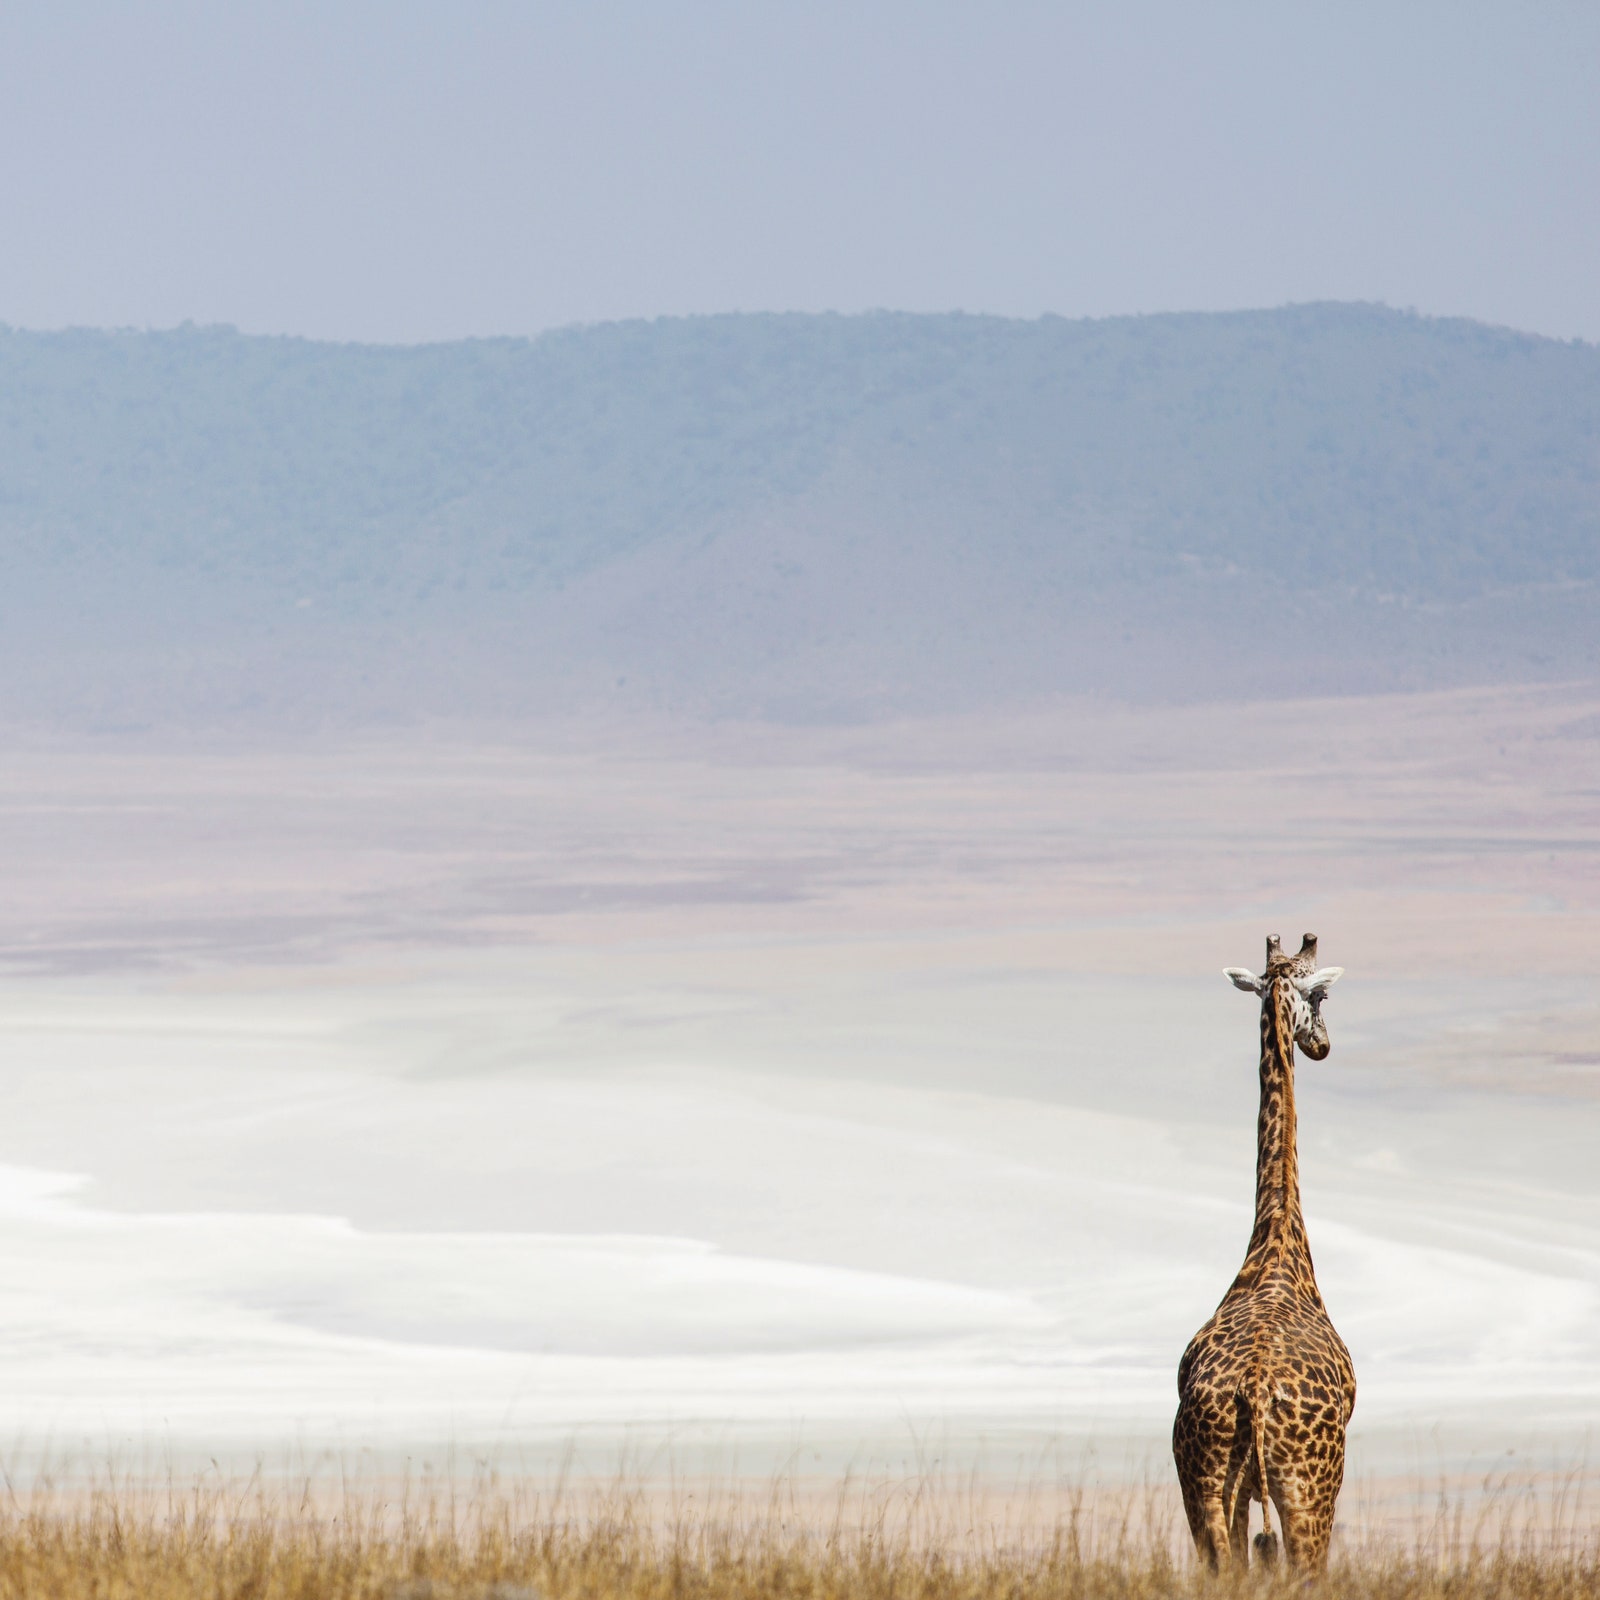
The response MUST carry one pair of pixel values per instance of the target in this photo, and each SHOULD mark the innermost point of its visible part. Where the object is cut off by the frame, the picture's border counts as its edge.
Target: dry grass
(880, 1542)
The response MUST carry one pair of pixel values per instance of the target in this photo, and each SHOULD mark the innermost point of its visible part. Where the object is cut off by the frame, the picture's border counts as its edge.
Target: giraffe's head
(1300, 984)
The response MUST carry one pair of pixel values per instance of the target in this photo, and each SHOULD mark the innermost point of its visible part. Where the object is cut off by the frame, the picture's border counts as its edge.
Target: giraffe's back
(1277, 1356)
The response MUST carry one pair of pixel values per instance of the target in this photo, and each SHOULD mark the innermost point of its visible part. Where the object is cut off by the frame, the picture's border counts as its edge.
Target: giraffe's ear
(1243, 979)
(1320, 981)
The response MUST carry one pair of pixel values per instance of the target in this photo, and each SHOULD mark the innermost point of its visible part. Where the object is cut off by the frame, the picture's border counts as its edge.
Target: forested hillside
(720, 501)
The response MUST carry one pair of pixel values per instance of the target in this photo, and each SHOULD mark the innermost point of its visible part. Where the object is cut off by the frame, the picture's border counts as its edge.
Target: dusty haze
(726, 1087)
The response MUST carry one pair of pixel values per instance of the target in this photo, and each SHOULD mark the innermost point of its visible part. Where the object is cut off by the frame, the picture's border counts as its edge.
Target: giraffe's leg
(1305, 1510)
(1213, 1541)
(1202, 1460)
(1239, 1533)
(1202, 1505)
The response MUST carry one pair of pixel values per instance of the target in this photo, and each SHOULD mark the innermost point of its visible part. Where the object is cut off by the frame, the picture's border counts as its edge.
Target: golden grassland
(889, 1541)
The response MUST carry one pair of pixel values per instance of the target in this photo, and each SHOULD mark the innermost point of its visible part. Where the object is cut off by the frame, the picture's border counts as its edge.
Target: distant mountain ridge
(823, 509)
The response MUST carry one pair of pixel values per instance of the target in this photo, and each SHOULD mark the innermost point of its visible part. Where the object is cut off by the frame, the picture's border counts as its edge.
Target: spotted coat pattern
(1266, 1387)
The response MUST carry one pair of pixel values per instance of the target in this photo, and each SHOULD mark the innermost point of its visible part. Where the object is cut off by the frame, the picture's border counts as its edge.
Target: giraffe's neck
(1278, 1245)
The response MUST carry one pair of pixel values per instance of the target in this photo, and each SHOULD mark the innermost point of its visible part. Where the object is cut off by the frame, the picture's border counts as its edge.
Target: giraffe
(1266, 1388)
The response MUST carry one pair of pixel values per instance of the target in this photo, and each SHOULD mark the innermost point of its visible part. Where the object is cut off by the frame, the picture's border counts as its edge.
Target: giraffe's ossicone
(1266, 1388)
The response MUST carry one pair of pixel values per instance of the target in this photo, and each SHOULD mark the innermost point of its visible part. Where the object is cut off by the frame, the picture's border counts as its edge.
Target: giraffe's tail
(1259, 1401)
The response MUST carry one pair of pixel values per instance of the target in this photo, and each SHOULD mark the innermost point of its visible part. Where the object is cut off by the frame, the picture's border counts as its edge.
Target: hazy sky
(394, 171)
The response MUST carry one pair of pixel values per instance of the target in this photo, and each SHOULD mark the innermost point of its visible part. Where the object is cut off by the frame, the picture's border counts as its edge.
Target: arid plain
(736, 1096)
